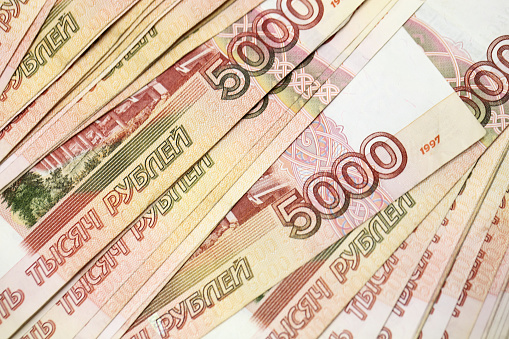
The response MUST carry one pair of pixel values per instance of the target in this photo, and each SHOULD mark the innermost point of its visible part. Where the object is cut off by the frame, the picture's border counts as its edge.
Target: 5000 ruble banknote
(16, 17)
(137, 282)
(180, 133)
(262, 125)
(153, 25)
(9, 64)
(55, 129)
(291, 178)
(71, 27)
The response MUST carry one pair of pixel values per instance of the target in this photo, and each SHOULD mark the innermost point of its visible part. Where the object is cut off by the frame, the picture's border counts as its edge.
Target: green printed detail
(33, 195)
(136, 48)
(188, 180)
(55, 11)
(43, 51)
(132, 150)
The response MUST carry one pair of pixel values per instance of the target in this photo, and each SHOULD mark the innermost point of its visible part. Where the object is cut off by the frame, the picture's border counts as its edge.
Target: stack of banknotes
(254, 169)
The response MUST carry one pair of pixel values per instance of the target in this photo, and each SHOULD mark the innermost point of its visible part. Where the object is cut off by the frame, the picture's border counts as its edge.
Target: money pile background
(254, 169)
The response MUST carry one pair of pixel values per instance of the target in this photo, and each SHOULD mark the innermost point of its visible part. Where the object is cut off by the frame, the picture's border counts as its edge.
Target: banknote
(358, 312)
(121, 297)
(70, 28)
(121, 41)
(73, 75)
(176, 128)
(221, 208)
(16, 19)
(88, 150)
(481, 276)
(412, 309)
(70, 116)
(500, 316)
(495, 127)
(366, 313)
(492, 300)
(39, 143)
(452, 289)
(111, 128)
(331, 48)
(469, 258)
(10, 64)
(274, 188)
(218, 161)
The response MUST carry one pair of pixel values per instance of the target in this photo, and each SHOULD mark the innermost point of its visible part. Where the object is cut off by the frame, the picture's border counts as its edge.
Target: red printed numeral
(335, 3)
(434, 142)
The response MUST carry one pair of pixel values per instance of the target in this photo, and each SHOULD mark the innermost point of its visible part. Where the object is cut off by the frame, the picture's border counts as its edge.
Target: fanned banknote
(288, 91)
(254, 168)
(498, 324)
(208, 170)
(299, 242)
(492, 300)
(412, 308)
(29, 144)
(135, 41)
(366, 313)
(15, 20)
(9, 64)
(163, 252)
(72, 26)
(204, 226)
(481, 277)
(258, 315)
(175, 137)
(467, 257)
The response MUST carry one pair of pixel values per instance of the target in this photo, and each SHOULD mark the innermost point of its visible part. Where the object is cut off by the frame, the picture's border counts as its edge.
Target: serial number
(335, 3)
(431, 144)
